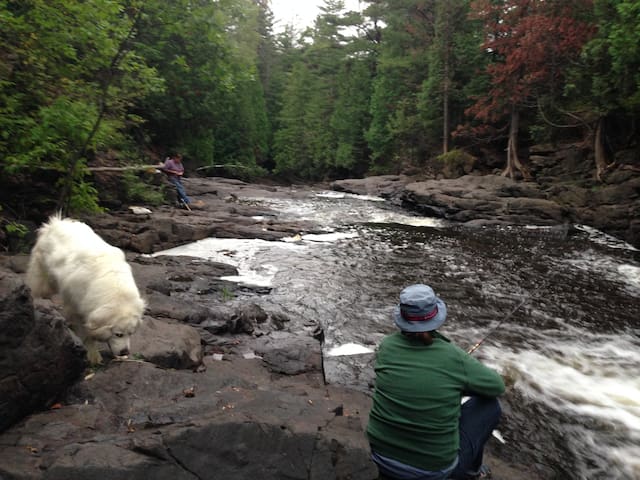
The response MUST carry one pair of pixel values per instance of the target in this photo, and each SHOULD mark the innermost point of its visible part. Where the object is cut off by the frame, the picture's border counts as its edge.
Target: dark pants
(480, 415)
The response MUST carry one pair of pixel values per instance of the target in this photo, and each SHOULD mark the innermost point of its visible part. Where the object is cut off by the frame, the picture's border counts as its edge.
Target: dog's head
(114, 325)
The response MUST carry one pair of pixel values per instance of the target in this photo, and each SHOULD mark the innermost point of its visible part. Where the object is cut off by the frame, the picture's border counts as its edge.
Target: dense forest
(393, 87)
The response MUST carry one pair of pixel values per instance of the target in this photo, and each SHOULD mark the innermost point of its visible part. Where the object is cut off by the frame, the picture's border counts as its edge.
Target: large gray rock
(167, 344)
(564, 191)
(289, 353)
(489, 197)
(236, 420)
(386, 186)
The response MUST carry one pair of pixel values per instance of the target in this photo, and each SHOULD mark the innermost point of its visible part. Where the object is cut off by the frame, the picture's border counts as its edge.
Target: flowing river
(570, 355)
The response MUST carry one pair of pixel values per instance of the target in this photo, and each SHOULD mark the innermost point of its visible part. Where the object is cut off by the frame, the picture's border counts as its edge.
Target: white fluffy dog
(99, 295)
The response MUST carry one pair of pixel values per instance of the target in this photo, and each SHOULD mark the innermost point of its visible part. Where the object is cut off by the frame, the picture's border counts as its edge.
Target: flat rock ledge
(134, 420)
(478, 200)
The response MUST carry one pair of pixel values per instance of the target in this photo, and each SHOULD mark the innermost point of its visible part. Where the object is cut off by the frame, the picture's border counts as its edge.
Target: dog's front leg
(93, 352)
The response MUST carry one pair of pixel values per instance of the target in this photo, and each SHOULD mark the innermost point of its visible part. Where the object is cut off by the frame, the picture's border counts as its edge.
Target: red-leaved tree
(532, 43)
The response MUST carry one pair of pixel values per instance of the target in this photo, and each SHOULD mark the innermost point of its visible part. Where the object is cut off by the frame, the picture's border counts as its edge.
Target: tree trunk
(445, 106)
(447, 43)
(513, 162)
(601, 157)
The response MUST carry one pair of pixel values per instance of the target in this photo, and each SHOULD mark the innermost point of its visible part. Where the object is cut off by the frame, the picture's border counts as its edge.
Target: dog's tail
(37, 276)
(54, 217)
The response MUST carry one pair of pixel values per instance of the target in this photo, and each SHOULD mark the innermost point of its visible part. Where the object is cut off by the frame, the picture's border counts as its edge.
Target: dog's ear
(103, 333)
(99, 322)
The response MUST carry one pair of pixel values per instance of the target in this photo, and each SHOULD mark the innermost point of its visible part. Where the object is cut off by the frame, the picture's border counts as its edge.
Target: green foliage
(353, 94)
(59, 130)
(428, 53)
(136, 190)
(379, 136)
(624, 40)
(84, 198)
(324, 113)
(454, 66)
(350, 118)
(610, 77)
(292, 151)
(69, 75)
(213, 108)
(456, 163)
(16, 235)
(16, 229)
(396, 129)
(226, 294)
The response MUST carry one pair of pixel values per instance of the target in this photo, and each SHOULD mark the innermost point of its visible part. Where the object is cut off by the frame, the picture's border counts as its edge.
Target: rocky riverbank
(476, 200)
(218, 387)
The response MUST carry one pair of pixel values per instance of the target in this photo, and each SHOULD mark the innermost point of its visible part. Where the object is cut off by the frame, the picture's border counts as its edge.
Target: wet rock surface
(38, 355)
(476, 200)
(217, 387)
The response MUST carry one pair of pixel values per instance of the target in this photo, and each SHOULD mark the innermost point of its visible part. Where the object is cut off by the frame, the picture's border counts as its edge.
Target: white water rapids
(573, 349)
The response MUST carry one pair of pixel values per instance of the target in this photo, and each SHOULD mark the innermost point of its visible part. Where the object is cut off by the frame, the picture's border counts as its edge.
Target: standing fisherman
(174, 170)
(417, 427)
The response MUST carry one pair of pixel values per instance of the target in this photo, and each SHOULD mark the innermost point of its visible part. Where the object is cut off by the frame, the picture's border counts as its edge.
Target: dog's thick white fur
(99, 294)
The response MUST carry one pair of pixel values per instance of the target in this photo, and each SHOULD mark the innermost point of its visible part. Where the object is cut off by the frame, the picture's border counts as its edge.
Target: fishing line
(477, 345)
(524, 300)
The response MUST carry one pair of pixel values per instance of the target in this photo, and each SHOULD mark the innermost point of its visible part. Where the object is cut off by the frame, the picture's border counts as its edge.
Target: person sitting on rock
(418, 428)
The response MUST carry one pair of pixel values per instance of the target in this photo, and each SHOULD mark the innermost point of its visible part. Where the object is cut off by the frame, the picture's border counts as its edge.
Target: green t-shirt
(416, 405)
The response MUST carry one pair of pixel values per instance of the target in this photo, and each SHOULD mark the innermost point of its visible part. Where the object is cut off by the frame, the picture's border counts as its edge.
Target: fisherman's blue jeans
(479, 416)
(182, 194)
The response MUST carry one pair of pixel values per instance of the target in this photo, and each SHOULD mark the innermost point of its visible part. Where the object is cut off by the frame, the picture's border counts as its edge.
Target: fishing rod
(223, 165)
(477, 345)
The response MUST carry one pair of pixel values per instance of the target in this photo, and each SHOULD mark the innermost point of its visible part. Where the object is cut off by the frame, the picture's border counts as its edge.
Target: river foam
(237, 252)
(593, 378)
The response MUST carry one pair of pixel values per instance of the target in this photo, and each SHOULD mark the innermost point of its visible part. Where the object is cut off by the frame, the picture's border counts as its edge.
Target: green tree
(453, 62)
(350, 118)
(396, 134)
(307, 114)
(624, 38)
(69, 72)
(291, 145)
(213, 109)
(606, 87)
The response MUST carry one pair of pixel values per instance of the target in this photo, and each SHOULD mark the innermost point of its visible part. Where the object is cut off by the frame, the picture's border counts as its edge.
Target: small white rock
(139, 210)
(250, 355)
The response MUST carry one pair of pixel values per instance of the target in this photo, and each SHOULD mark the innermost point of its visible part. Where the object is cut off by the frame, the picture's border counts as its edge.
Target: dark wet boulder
(39, 356)
(235, 420)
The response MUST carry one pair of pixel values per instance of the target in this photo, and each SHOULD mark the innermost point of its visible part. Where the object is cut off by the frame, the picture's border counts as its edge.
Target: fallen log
(128, 167)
